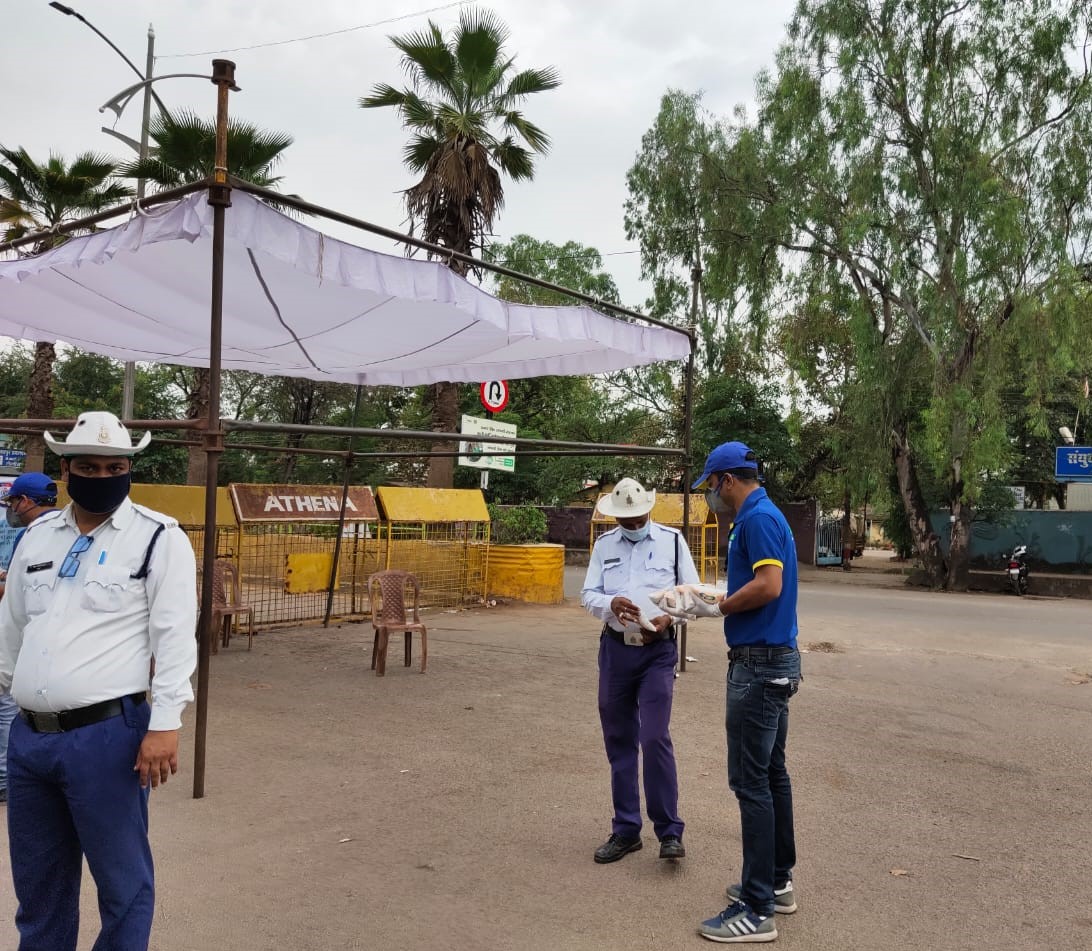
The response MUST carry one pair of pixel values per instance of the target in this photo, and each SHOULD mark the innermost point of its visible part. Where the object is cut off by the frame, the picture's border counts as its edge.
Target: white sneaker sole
(760, 938)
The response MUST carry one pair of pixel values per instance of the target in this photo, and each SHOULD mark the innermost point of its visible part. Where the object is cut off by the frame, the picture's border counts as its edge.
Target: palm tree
(462, 107)
(184, 150)
(35, 196)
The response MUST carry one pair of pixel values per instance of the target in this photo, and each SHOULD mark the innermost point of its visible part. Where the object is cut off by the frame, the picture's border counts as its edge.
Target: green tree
(925, 162)
(669, 214)
(36, 196)
(579, 409)
(86, 381)
(184, 150)
(462, 106)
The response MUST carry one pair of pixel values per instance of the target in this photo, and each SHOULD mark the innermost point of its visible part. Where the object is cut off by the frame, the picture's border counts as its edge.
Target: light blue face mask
(636, 534)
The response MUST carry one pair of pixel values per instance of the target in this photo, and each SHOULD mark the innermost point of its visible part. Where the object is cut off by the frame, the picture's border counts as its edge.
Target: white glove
(689, 601)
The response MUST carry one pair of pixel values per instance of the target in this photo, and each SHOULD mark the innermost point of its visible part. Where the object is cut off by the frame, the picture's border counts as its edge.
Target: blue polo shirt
(761, 536)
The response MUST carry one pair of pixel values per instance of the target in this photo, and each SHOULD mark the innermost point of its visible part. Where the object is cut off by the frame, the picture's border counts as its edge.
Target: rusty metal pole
(341, 518)
(688, 425)
(223, 75)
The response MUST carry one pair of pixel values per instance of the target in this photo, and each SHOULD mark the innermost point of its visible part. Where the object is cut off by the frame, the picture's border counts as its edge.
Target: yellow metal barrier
(534, 573)
(701, 537)
(282, 540)
(442, 536)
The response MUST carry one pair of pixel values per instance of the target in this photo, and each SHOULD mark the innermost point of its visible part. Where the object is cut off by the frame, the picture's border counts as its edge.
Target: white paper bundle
(689, 600)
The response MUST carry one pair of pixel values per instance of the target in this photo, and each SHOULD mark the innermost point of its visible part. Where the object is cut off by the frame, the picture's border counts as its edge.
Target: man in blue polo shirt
(763, 673)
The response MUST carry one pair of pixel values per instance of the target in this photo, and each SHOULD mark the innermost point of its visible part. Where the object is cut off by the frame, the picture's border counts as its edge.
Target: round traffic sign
(494, 395)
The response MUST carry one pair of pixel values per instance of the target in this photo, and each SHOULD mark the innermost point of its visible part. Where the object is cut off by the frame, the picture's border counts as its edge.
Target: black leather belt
(73, 719)
(758, 652)
(667, 635)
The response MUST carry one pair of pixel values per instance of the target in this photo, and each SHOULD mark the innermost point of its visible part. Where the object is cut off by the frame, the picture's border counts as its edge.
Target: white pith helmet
(629, 499)
(97, 434)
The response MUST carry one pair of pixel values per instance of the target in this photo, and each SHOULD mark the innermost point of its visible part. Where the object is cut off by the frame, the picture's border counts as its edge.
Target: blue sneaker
(738, 924)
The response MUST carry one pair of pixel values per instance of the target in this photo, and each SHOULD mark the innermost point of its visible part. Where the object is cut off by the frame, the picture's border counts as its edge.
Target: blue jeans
(9, 710)
(757, 724)
(74, 795)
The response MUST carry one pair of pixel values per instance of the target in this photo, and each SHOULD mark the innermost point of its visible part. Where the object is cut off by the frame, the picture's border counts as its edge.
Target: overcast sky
(616, 59)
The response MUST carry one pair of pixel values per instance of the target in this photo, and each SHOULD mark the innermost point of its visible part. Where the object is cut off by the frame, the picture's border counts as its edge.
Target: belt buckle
(46, 722)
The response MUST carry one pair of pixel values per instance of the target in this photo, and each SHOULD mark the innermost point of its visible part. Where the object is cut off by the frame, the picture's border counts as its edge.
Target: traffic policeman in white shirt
(95, 593)
(637, 681)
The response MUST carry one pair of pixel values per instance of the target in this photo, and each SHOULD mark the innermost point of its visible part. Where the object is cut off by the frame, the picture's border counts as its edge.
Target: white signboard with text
(472, 449)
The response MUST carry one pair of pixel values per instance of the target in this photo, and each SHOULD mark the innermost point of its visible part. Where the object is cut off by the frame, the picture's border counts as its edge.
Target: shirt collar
(119, 518)
(751, 501)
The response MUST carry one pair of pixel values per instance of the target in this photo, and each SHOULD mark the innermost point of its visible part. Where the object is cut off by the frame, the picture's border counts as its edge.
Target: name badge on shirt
(41, 566)
(611, 561)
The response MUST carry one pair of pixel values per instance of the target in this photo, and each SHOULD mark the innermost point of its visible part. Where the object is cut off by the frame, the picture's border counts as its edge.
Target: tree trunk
(39, 402)
(847, 531)
(198, 401)
(959, 546)
(926, 541)
(444, 399)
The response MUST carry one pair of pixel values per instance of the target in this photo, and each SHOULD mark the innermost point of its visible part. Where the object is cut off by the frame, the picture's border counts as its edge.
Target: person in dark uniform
(637, 672)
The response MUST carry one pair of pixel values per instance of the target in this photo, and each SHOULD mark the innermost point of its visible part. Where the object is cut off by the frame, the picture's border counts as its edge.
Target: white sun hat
(97, 434)
(629, 499)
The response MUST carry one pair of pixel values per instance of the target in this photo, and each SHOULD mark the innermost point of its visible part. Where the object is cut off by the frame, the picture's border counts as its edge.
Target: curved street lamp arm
(68, 11)
(118, 103)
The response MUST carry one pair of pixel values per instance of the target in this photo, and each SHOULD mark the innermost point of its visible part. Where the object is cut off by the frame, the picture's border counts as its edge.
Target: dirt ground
(941, 776)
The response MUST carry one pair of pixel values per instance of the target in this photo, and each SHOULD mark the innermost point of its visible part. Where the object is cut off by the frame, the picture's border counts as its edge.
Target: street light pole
(128, 383)
(129, 377)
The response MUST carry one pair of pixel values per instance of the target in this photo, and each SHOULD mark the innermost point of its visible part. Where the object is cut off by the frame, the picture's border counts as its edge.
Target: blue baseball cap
(36, 486)
(728, 455)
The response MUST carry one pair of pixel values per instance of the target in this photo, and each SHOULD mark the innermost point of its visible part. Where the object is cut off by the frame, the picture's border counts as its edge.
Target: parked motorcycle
(1018, 570)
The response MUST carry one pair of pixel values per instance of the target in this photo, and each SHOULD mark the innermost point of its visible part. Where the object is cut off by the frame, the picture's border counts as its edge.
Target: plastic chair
(227, 602)
(389, 614)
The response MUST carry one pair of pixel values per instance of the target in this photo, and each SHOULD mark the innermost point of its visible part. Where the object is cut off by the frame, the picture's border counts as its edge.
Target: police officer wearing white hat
(637, 672)
(95, 593)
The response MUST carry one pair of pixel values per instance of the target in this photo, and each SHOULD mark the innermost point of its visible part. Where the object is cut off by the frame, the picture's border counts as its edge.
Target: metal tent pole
(341, 517)
(223, 75)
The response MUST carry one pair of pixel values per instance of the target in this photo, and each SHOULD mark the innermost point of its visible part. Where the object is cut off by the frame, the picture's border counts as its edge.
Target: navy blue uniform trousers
(72, 795)
(635, 692)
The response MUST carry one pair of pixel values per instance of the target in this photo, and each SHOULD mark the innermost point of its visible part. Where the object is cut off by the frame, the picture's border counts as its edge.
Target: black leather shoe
(616, 848)
(671, 847)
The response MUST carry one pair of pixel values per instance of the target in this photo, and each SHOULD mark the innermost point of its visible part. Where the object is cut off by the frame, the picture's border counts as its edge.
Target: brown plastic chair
(389, 615)
(227, 603)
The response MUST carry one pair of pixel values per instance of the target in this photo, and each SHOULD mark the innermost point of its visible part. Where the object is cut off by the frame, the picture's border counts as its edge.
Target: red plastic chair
(387, 593)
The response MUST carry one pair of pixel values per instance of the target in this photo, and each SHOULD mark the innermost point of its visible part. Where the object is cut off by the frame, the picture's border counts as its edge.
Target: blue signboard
(1073, 463)
(12, 458)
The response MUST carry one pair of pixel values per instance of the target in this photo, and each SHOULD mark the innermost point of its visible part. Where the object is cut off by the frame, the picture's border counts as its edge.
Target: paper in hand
(689, 600)
(634, 631)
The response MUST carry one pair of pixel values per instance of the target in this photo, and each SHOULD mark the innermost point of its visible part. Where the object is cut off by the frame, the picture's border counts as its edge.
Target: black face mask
(99, 496)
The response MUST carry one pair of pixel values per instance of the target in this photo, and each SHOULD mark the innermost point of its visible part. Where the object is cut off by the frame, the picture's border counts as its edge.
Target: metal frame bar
(292, 201)
(129, 207)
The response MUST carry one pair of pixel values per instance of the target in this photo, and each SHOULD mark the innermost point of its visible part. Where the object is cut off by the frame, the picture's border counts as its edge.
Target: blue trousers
(8, 712)
(72, 795)
(636, 686)
(757, 722)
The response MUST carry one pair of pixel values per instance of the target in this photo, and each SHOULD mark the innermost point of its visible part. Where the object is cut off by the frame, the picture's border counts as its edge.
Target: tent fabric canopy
(300, 303)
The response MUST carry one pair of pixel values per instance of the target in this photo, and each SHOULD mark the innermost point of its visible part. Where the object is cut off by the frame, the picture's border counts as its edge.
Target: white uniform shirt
(634, 570)
(67, 643)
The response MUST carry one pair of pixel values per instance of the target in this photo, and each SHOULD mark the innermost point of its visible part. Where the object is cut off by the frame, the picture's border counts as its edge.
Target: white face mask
(636, 534)
(715, 502)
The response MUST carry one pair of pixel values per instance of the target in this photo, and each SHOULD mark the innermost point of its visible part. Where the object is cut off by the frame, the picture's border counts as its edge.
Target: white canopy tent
(300, 303)
(288, 300)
